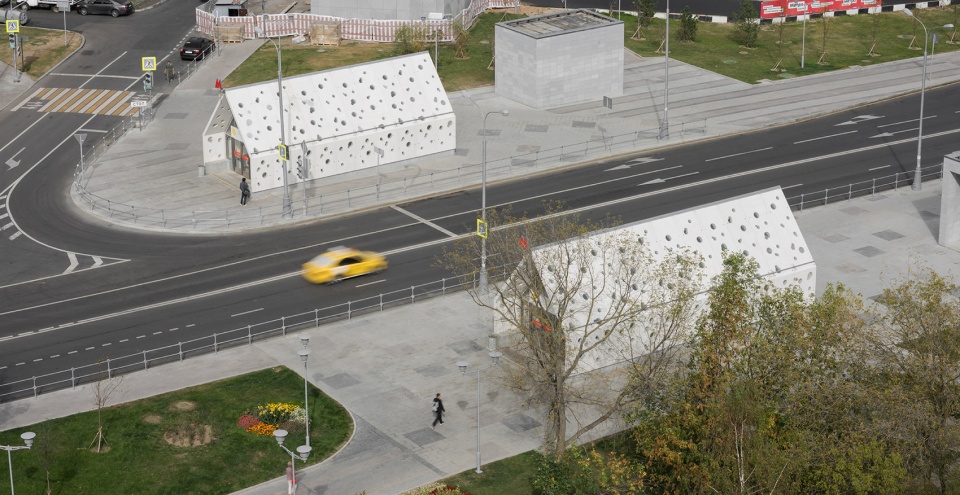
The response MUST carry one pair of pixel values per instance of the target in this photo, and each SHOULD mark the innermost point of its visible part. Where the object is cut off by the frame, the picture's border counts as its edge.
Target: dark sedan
(112, 7)
(195, 48)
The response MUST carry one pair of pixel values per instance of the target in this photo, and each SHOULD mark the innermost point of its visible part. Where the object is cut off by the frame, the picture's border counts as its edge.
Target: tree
(917, 339)
(688, 25)
(409, 39)
(645, 12)
(747, 24)
(102, 390)
(772, 400)
(461, 35)
(576, 300)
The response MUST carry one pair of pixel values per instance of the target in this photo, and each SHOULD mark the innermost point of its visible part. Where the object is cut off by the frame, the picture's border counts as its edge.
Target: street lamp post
(304, 355)
(28, 442)
(287, 202)
(495, 357)
(483, 203)
(303, 452)
(917, 179)
(665, 124)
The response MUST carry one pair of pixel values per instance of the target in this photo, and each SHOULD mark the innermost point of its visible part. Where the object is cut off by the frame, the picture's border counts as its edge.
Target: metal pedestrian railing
(112, 366)
(862, 188)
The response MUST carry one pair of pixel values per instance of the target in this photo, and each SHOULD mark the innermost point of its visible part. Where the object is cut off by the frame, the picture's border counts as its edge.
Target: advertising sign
(793, 8)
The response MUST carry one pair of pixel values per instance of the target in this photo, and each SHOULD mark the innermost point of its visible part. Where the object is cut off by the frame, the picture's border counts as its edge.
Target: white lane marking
(423, 220)
(174, 329)
(73, 262)
(108, 76)
(157, 333)
(13, 162)
(15, 235)
(123, 340)
(97, 261)
(860, 118)
(20, 364)
(190, 325)
(443, 241)
(824, 137)
(54, 356)
(905, 122)
(90, 348)
(246, 312)
(888, 133)
(790, 187)
(21, 133)
(7, 226)
(93, 130)
(679, 176)
(141, 336)
(104, 345)
(103, 69)
(72, 352)
(3, 216)
(371, 283)
(738, 154)
(38, 359)
(878, 168)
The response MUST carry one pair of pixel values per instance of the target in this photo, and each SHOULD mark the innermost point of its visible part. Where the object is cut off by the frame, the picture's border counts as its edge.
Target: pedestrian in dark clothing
(438, 411)
(169, 71)
(244, 191)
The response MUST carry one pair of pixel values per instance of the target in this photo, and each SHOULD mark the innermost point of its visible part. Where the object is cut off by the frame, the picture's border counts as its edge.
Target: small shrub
(247, 421)
(275, 413)
(299, 415)
(262, 429)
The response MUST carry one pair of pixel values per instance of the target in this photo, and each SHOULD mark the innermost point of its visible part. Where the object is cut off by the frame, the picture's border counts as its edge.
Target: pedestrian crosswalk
(73, 100)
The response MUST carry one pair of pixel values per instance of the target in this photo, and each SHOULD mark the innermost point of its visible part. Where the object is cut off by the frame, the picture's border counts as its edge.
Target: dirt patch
(533, 10)
(189, 435)
(184, 405)
(153, 419)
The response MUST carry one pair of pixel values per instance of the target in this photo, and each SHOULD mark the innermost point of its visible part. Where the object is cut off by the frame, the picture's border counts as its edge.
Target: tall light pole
(304, 355)
(917, 179)
(484, 283)
(665, 123)
(287, 202)
(303, 452)
(28, 442)
(495, 357)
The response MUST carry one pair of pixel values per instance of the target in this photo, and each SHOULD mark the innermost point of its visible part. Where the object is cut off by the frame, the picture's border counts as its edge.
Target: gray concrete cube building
(559, 59)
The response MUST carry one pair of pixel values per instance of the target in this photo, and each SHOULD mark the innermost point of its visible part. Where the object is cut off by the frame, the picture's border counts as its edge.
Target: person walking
(244, 191)
(169, 71)
(291, 479)
(438, 411)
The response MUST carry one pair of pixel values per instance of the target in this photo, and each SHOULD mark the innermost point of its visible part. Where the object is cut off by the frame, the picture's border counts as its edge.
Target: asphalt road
(180, 288)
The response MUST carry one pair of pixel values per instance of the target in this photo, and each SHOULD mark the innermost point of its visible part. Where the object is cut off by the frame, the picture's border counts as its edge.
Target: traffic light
(148, 80)
(300, 168)
(13, 39)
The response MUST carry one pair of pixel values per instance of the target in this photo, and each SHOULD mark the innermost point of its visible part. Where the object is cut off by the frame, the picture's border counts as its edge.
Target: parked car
(112, 7)
(340, 263)
(195, 48)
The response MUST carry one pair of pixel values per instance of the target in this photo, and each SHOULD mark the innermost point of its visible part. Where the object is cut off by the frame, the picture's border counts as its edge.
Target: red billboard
(793, 8)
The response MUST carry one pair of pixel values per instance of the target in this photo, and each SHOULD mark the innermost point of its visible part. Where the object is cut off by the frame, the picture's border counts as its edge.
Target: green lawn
(140, 461)
(848, 43)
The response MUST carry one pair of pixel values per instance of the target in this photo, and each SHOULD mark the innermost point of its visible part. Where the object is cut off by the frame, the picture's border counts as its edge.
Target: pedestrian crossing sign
(148, 63)
(481, 228)
(282, 148)
(13, 26)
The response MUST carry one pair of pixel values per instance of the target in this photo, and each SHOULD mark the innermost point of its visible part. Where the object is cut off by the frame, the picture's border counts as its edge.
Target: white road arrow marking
(661, 181)
(888, 134)
(635, 161)
(13, 162)
(97, 261)
(73, 263)
(861, 118)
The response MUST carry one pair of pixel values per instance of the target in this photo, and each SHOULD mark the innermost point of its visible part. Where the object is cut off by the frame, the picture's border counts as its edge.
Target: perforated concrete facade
(760, 225)
(404, 10)
(397, 105)
(559, 59)
(950, 202)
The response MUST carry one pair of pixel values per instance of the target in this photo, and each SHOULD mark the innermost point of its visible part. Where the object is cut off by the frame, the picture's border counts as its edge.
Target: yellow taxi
(342, 262)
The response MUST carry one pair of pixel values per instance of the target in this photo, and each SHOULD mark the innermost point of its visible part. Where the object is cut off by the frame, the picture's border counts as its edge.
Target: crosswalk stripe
(74, 100)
